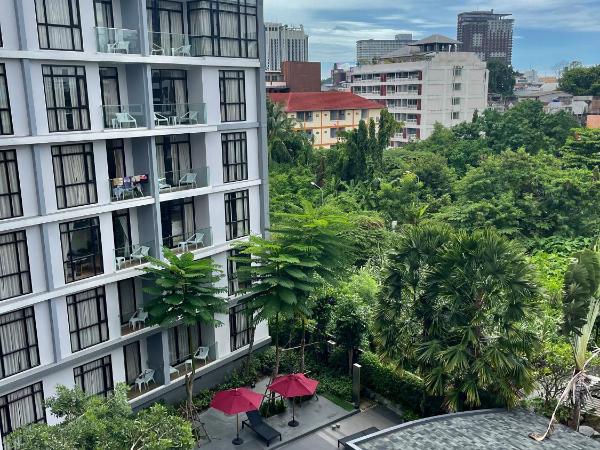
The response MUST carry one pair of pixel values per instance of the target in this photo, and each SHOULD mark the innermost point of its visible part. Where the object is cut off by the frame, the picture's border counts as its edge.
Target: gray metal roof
(476, 430)
(435, 39)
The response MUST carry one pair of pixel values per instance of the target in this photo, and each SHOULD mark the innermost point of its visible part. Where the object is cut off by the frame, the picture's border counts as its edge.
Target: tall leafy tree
(502, 77)
(185, 290)
(579, 80)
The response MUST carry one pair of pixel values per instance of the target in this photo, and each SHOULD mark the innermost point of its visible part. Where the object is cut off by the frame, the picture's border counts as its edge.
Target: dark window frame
(8, 128)
(18, 237)
(235, 170)
(108, 7)
(114, 75)
(233, 284)
(66, 229)
(105, 365)
(232, 221)
(45, 26)
(82, 108)
(234, 332)
(75, 330)
(240, 77)
(27, 317)
(89, 180)
(168, 211)
(36, 391)
(125, 320)
(179, 356)
(9, 158)
(130, 378)
(116, 147)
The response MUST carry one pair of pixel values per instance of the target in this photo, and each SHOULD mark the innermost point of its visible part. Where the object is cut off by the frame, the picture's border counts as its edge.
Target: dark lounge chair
(255, 422)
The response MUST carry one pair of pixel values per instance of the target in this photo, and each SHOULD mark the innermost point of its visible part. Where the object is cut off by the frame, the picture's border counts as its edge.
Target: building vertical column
(144, 34)
(261, 98)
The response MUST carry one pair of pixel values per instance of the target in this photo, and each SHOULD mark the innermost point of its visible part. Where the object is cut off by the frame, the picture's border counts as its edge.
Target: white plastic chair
(184, 50)
(145, 377)
(140, 252)
(119, 46)
(159, 118)
(162, 184)
(140, 317)
(201, 353)
(125, 118)
(157, 50)
(197, 240)
(190, 117)
(189, 179)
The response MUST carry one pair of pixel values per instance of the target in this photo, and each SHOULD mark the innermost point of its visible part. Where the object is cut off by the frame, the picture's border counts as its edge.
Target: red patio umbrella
(236, 401)
(294, 385)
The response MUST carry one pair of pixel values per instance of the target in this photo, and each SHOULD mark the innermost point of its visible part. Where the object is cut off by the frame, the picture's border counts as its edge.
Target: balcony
(174, 114)
(116, 40)
(170, 44)
(128, 188)
(118, 117)
(200, 238)
(181, 180)
(181, 369)
(133, 255)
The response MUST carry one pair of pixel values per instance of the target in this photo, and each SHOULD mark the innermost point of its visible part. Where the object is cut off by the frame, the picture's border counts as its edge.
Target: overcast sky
(546, 31)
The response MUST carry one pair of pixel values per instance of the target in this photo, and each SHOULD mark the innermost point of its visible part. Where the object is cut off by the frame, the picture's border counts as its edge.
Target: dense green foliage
(581, 80)
(502, 77)
(94, 422)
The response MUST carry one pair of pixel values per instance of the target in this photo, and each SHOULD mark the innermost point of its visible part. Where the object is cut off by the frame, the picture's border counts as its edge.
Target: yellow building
(323, 115)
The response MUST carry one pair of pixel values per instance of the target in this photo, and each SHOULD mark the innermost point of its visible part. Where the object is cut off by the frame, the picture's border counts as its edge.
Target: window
(179, 349)
(334, 132)
(237, 215)
(133, 362)
(223, 28)
(115, 155)
(81, 249)
(169, 90)
(95, 378)
(11, 204)
(239, 327)
(457, 71)
(128, 303)
(6, 126)
(20, 408)
(304, 116)
(234, 285)
(58, 24)
(111, 96)
(165, 23)
(66, 98)
(74, 175)
(235, 157)
(364, 114)
(178, 221)
(174, 157)
(122, 233)
(18, 342)
(337, 115)
(88, 324)
(455, 115)
(232, 87)
(103, 13)
(456, 101)
(456, 86)
(15, 278)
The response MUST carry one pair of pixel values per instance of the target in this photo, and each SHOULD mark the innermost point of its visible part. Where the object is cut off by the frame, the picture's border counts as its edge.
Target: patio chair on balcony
(201, 353)
(144, 378)
(119, 46)
(184, 50)
(196, 240)
(124, 118)
(189, 179)
(139, 317)
(140, 252)
(157, 50)
(163, 185)
(160, 119)
(189, 117)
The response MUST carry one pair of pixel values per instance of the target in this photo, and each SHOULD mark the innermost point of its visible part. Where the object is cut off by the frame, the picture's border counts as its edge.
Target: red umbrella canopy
(294, 385)
(235, 401)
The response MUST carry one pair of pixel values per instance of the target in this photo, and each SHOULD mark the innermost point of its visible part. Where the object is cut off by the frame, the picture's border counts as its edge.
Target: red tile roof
(323, 101)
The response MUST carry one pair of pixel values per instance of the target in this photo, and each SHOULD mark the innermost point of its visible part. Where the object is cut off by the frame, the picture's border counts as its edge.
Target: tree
(94, 422)
(502, 77)
(285, 144)
(582, 149)
(579, 80)
(350, 322)
(184, 291)
(581, 308)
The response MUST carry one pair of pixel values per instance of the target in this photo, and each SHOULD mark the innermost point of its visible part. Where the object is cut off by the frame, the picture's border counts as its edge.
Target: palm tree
(279, 129)
(184, 291)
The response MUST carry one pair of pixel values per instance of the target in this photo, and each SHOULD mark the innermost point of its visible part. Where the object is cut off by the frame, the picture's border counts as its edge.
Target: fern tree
(185, 291)
(581, 306)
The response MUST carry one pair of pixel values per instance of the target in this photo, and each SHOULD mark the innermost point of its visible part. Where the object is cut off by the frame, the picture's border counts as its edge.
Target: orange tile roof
(593, 121)
(323, 101)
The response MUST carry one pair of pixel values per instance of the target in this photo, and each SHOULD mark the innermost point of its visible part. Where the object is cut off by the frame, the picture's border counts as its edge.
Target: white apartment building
(424, 83)
(284, 43)
(125, 126)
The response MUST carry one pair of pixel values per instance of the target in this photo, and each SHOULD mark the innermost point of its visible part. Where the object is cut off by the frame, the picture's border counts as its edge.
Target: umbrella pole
(293, 422)
(237, 440)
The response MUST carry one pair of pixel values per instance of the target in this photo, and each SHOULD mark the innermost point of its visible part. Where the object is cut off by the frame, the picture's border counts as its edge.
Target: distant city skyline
(546, 32)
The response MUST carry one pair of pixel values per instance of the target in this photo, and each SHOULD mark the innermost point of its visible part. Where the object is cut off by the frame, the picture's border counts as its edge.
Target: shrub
(272, 407)
(404, 388)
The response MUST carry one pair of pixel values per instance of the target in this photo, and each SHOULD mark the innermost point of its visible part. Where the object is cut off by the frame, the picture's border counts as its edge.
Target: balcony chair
(119, 46)
(184, 50)
(162, 184)
(157, 50)
(189, 117)
(124, 118)
(140, 316)
(145, 377)
(159, 118)
(196, 239)
(201, 353)
(140, 252)
(189, 179)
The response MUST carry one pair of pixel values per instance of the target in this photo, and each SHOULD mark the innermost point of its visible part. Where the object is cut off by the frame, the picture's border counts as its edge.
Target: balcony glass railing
(170, 44)
(171, 114)
(195, 240)
(116, 40)
(180, 180)
(117, 117)
(126, 188)
(133, 255)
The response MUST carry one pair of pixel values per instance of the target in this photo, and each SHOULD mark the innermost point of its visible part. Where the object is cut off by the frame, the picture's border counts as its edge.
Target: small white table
(173, 370)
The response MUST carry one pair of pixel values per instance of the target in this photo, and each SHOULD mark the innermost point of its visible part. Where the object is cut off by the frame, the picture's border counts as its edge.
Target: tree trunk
(189, 380)
(302, 344)
(250, 348)
(576, 413)
(350, 358)
(277, 349)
